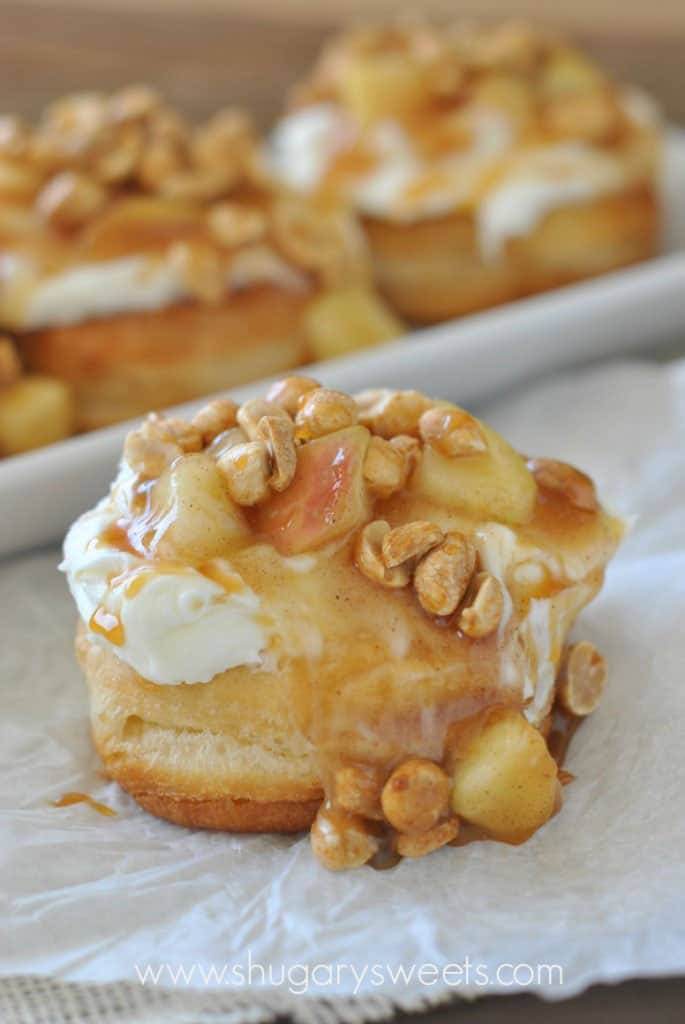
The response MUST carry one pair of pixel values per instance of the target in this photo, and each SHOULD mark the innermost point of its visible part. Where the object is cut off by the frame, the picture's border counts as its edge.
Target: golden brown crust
(250, 772)
(432, 270)
(119, 367)
(228, 815)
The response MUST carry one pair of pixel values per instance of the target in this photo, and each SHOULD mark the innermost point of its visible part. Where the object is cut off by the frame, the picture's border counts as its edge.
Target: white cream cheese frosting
(132, 284)
(305, 144)
(530, 182)
(542, 631)
(541, 180)
(179, 627)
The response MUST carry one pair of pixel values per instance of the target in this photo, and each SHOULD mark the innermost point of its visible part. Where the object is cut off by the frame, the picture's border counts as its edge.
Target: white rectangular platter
(628, 311)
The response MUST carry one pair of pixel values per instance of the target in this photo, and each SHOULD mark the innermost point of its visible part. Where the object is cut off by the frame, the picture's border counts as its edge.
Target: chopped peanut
(215, 418)
(410, 541)
(170, 428)
(369, 558)
(342, 840)
(323, 411)
(581, 678)
(158, 441)
(225, 140)
(442, 577)
(483, 615)
(246, 469)
(233, 224)
(418, 844)
(199, 184)
(416, 796)
(70, 199)
(149, 456)
(225, 440)
(452, 432)
(119, 160)
(161, 159)
(251, 412)
(287, 392)
(133, 103)
(278, 434)
(388, 413)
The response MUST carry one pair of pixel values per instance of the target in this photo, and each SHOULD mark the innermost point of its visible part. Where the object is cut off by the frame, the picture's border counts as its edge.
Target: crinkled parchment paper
(600, 891)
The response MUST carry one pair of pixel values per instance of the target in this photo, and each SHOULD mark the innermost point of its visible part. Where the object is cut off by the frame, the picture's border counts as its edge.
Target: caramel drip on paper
(68, 799)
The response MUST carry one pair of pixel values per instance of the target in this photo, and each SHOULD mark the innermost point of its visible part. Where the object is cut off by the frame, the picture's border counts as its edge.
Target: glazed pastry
(344, 613)
(138, 254)
(486, 164)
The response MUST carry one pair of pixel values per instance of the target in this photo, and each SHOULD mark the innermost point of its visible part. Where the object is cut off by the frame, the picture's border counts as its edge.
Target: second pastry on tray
(485, 163)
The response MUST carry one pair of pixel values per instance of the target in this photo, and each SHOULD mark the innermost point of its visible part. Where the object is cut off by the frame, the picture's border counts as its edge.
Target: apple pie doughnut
(138, 253)
(485, 163)
(344, 612)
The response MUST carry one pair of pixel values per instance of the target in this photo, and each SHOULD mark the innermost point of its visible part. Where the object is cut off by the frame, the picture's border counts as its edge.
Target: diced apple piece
(34, 411)
(381, 85)
(347, 319)
(570, 71)
(192, 515)
(19, 182)
(326, 499)
(505, 781)
(494, 485)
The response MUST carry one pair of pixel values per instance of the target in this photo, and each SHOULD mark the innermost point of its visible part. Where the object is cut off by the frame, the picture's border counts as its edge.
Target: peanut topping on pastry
(322, 411)
(482, 615)
(112, 176)
(288, 392)
(215, 418)
(409, 542)
(452, 432)
(442, 577)
(416, 796)
(369, 557)
(424, 75)
(426, 653)
(581, 679)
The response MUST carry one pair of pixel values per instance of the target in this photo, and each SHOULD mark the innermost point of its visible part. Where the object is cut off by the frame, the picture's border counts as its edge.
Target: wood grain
(217, 53)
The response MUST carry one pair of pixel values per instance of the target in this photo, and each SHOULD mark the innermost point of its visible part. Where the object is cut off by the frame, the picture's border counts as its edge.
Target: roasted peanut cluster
(90, 150)
(411, 69)
(89, 146)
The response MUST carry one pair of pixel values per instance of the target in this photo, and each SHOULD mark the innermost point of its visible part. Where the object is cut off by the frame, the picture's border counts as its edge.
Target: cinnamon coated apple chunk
(348, 613)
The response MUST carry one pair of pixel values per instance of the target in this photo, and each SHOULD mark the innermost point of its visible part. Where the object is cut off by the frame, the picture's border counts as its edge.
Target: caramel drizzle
(108, 625)
(69, 799)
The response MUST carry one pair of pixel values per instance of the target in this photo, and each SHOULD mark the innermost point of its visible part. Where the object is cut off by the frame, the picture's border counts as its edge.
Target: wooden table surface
(221, 54)
(207, 59)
